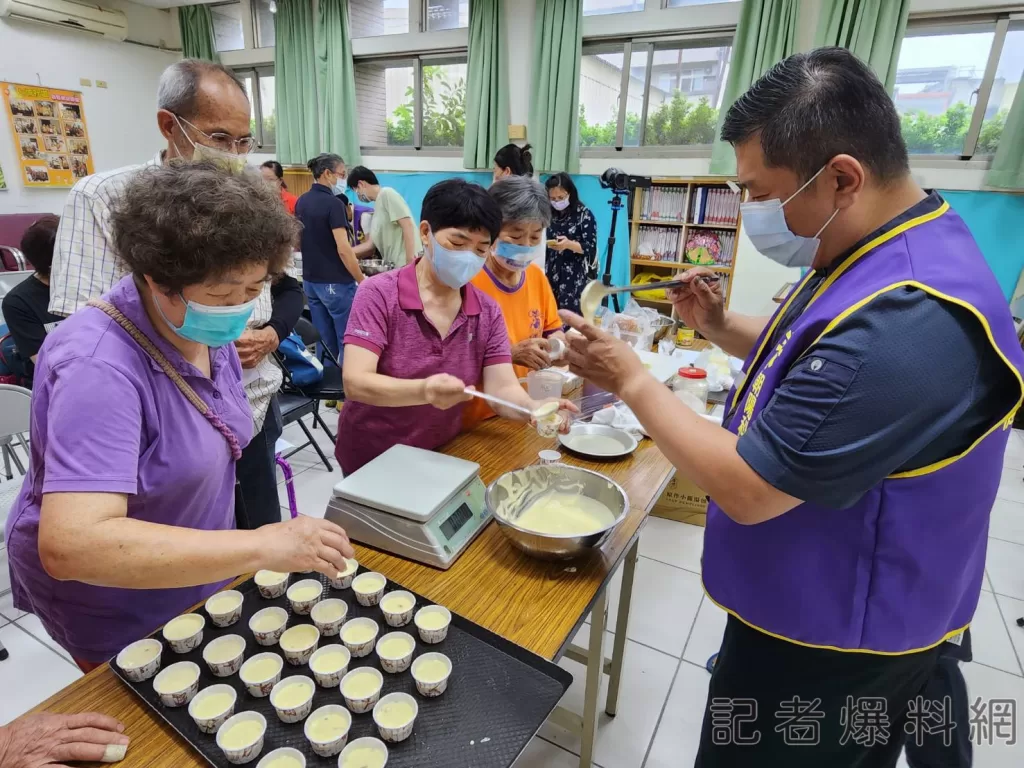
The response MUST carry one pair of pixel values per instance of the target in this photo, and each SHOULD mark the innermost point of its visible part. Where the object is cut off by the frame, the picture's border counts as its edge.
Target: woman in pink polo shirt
(418, 335)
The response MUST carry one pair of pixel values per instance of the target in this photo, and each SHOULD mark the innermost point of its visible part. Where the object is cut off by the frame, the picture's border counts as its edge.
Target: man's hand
(443, 391)
(599, 357)
(255, 344)
(699, 303)
(532, 353)
(35, 741)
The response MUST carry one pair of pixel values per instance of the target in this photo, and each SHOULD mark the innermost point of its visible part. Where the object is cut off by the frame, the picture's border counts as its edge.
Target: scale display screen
(456, 520)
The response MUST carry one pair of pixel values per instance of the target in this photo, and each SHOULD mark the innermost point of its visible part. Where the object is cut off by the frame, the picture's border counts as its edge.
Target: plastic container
(556, 349)
(693, 382)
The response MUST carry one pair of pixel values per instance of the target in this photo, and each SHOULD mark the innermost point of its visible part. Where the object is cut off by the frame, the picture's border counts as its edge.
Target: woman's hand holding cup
(305, 544)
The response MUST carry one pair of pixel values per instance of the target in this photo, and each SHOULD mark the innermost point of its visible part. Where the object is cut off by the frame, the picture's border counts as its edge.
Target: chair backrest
(307, 332)
(15, 409)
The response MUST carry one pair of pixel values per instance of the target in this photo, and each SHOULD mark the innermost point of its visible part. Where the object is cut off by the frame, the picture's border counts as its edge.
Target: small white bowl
(210, 722)
(274, 617)
(150, 649)
(344, 579)
(363, 647)
(296, 652)
(362, 702)
(181, 694)
(431, 687)
(224, 656)
(295, 712)
(181, 633)
(369, 587)
(394, 614)
(433, 634)
(367, 742)
(304, 606)
(271, 584)
(395, 732)
(248, 752)
(299, 759)
(333, 745)
(225, 608)
(329, 677)
(391, 660)
(262, 685)
(329, 615)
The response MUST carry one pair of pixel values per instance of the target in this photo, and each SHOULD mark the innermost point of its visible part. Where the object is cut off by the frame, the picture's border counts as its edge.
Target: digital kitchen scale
(418, 504)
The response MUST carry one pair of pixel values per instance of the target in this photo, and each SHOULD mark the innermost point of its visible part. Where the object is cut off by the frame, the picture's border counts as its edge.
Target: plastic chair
(289, 483)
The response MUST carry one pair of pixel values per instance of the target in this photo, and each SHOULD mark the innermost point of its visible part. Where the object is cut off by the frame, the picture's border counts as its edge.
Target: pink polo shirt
(387, 319)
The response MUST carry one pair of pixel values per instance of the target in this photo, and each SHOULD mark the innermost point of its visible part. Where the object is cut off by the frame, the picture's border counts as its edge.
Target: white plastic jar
(691, 386)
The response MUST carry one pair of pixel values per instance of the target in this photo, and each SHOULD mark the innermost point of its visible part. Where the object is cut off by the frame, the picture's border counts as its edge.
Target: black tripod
(606, 278)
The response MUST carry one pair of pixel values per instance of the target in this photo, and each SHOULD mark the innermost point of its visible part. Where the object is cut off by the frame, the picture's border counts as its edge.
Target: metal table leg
(595, 670)
(621, 627)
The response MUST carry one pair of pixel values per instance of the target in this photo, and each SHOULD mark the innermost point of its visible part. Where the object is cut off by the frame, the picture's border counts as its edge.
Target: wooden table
(535, 604)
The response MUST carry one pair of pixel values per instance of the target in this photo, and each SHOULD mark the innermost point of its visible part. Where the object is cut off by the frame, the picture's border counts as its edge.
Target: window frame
(223, 4)
(417, 60)
(650, 43)
(256, 72)
(932, 25)
(255, 22)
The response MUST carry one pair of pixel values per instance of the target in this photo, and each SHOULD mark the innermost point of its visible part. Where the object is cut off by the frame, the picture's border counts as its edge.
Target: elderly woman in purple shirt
(126, 517)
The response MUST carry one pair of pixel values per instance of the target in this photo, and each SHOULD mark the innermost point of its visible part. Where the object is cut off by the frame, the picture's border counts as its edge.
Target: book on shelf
(657, 243)
(706, 246)
(663, 204)
(715, 205)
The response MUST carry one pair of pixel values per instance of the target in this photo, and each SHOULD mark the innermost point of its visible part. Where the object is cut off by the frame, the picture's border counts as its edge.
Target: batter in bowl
(565, 514)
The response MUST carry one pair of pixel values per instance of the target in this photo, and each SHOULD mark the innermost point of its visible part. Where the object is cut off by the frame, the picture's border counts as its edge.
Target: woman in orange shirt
(519, 286)
(274, 173)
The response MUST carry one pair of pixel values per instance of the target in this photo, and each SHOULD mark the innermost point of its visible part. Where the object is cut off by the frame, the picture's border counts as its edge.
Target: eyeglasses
(222, 141)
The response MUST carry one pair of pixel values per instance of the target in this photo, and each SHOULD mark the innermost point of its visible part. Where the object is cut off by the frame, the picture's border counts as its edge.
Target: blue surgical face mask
(765, 224)
(518, 257)
(453, 268)
(339, 187)
(212, 326)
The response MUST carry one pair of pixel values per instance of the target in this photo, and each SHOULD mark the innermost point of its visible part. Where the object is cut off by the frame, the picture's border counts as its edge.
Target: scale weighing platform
(413, 503)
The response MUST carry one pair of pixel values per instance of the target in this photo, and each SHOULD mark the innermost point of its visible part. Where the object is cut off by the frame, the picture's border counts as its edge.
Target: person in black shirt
(26, 307)
(330, 269)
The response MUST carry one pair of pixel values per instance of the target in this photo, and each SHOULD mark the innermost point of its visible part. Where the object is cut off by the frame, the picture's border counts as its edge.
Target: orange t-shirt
(289, 201)
(530, 311)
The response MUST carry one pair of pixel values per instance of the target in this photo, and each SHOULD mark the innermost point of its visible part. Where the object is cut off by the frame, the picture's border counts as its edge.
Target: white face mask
(767, 229)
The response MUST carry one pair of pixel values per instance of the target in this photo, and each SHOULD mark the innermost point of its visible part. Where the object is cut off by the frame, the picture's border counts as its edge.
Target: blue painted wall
(995, 219)
(413, 187)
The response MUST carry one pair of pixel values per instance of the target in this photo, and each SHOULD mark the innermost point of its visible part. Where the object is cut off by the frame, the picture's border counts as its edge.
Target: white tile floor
(664, 683)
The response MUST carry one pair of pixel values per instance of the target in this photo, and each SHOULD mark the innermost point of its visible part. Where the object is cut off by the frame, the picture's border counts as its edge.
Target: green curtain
(196, 24)
(486, 85)
(298, 129)
(1007, 171)
(871, 29)
(336, 80)
(766, 34)
(554, 104)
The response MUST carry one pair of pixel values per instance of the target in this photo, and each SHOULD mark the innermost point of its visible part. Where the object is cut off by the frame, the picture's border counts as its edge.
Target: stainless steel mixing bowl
(513, 492)
(372, 267)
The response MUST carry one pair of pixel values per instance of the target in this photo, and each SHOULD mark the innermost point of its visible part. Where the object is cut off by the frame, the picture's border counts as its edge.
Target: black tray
(498, 694)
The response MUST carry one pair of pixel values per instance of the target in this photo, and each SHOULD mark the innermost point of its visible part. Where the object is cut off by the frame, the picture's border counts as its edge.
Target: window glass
(684, 95)
(227, 26)
(371, 18)
(1004, 88)
(603, 7)
(447, 14)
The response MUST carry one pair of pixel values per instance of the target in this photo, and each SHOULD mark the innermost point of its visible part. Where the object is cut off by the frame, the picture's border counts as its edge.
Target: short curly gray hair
(521, 198)
(186, 223)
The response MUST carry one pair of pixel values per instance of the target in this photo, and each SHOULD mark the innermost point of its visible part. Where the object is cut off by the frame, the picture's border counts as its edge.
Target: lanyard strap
(183, 386)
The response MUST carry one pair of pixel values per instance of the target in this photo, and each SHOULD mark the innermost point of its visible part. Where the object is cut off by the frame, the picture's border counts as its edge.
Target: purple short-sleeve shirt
(107, 419)
(387, 319)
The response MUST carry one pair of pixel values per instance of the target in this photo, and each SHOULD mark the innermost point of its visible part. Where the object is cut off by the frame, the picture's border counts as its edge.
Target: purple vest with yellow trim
(901, 570)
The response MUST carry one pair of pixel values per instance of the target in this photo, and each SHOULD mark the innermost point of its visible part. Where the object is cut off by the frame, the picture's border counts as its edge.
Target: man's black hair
(361, 173)
(458, 203)
(323, 163)
(37, 242)
(813, 106)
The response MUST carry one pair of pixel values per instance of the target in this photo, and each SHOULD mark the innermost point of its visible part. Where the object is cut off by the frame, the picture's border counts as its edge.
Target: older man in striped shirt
(203, 112)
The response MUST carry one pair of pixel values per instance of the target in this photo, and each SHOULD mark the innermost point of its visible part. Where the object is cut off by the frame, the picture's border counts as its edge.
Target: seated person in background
(274, 174)
(392, 231)
(518, 285)
(418, 335)
(26, 307)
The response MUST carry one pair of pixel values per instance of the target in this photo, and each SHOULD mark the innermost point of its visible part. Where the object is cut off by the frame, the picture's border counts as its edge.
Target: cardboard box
(683, 502)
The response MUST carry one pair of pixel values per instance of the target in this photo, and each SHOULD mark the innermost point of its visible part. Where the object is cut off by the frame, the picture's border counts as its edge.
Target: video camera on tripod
(620, 183)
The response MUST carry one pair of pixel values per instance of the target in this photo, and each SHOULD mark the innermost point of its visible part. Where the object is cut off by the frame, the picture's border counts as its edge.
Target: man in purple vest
(852, 486)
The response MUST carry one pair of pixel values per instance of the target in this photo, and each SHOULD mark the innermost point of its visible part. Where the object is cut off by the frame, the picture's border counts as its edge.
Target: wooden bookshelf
(682, 200)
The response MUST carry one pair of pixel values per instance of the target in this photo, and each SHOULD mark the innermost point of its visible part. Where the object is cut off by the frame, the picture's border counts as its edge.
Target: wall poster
(50, 138)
